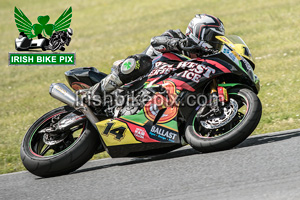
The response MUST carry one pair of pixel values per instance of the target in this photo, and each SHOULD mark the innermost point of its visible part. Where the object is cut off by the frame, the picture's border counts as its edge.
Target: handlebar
(184, 45)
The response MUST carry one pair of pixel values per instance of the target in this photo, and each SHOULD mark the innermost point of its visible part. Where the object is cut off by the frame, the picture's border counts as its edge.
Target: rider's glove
(188, 44)
(173, 44)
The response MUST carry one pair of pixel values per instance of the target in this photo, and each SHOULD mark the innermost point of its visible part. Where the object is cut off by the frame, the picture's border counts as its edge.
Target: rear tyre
(211, 135)
(76, 149)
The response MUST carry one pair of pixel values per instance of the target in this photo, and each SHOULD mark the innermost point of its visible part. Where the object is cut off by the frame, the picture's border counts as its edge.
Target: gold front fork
(213, 86)
(214, 100)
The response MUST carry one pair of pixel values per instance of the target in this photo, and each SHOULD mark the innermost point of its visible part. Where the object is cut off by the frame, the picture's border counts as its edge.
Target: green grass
(105, 31)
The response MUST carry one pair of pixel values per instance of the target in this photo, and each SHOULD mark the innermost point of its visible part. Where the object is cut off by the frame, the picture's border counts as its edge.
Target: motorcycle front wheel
(238, 120)
(55, 45)
(78, 145)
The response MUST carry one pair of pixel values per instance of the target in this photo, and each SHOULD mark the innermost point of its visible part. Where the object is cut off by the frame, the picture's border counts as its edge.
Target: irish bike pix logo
(42, 36)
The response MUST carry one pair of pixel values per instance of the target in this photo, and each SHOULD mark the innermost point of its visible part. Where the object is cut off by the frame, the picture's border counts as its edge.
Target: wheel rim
(211, 129)
(38, 147)
(228, 113)
(55, 45)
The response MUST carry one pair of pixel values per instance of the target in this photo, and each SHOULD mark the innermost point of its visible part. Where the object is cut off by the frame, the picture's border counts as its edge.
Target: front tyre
(77, 146)
(238, 121)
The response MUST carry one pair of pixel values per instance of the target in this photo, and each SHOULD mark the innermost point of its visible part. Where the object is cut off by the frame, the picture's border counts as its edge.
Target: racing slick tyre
(77, 146)
(237, 121)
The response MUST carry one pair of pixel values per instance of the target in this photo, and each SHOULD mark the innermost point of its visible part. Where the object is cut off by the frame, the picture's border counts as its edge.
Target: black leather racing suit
(167, 42)
(138, 65)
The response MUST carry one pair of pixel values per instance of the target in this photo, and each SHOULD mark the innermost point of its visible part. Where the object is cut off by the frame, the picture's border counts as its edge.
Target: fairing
(155, 126)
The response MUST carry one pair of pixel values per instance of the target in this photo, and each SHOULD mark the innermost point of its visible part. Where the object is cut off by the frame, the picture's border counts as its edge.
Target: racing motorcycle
(209, 103)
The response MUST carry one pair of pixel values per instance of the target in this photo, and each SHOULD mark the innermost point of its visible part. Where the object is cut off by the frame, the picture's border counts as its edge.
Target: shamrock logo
(24, 24)
(43, 27)
(127, 65)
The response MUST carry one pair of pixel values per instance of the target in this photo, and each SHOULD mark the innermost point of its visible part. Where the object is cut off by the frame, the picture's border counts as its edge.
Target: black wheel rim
(243, 107)
(37, 146)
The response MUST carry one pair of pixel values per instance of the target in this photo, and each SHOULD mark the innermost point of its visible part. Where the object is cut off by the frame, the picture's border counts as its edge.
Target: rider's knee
(134, 66)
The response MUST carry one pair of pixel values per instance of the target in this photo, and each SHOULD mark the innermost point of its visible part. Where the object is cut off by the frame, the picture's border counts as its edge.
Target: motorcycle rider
(201, 32)
(62, 38)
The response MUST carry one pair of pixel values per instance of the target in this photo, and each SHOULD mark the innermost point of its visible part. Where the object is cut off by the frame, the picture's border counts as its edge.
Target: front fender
(233, 85)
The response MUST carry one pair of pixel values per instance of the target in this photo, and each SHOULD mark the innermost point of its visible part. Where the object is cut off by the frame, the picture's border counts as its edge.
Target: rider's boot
(106, 85)
(123, 71)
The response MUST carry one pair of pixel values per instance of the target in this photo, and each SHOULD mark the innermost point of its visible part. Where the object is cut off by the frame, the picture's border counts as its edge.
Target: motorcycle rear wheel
(234, 132)
(62, 158)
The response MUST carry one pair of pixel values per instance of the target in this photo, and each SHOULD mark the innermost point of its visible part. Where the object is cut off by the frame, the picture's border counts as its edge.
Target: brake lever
(184, 42)
(198, 48)
(194, 47)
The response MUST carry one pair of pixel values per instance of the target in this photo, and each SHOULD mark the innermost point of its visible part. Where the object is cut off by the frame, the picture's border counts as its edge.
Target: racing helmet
(69, 32)
(204, 28)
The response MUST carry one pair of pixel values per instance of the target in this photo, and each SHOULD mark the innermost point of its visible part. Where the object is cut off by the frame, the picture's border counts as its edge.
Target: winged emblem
(32, 30)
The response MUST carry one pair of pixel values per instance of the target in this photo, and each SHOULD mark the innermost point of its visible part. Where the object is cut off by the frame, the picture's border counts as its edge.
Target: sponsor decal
(225, 39)
(163, 134)
(137, 66)
(140, 133)
(232, 56)
(61, 89)
(248, 66)
(78, 86)
(194, 70)
(236, 55)
(161, 68)
(159, 102)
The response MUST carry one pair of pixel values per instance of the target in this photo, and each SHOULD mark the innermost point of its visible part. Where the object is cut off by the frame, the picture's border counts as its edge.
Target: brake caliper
(223, 95)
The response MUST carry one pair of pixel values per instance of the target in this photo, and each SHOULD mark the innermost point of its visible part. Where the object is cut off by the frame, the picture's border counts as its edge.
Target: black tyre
(76, 148)
(55, 45)
(238, 121)
(43, 48)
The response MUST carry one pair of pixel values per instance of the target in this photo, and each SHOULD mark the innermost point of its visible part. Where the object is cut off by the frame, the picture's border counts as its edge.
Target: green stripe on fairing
(172, 124)
(229, 84)
(241, 66)
(139, 117)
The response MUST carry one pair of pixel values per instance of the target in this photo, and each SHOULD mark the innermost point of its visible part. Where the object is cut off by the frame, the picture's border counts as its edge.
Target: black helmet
(205, 27)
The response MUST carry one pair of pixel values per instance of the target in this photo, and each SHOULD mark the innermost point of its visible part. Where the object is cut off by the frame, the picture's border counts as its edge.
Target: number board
(114, 132)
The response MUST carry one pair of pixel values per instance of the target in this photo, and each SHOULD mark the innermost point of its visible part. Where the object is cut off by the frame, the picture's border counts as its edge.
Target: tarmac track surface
(262, 167)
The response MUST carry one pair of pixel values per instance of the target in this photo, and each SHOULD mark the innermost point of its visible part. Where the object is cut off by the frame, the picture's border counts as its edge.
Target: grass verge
(105, 31)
